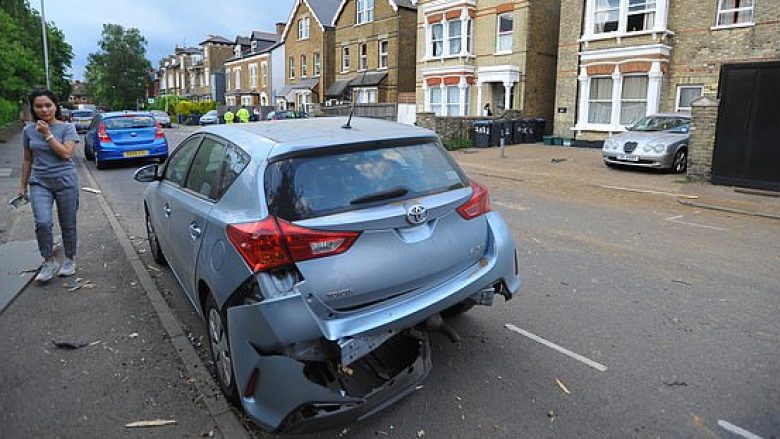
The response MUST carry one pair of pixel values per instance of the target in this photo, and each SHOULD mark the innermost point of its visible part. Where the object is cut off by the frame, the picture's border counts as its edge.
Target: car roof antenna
(348, 125)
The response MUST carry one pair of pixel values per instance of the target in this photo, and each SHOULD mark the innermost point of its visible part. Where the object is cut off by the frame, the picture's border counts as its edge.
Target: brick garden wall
(704, 120)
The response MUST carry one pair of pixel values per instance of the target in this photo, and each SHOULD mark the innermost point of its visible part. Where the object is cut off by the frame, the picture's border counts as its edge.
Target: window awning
(368, 79)
(337, 88)
(288, 91)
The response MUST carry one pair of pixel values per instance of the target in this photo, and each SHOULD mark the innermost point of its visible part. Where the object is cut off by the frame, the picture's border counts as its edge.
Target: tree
(21, 55)
(117, 73)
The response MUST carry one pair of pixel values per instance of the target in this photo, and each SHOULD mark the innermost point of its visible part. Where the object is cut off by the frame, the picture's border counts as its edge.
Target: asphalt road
(659, 320)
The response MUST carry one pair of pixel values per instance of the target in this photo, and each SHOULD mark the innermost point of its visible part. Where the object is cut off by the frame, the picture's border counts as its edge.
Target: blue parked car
(126, 135)
(320, 257)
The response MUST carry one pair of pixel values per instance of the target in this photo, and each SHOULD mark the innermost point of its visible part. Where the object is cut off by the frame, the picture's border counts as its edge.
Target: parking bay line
(512, 206)
(737, 430)
(676, 219)
(599, 367)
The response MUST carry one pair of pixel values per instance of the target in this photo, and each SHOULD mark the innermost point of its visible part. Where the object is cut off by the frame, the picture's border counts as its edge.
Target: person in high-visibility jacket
(229, 116)
(243, 115)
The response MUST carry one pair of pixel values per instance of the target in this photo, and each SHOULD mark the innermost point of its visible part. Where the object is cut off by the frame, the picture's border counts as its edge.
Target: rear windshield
(82, 114)
(305, 187)
(120, 122)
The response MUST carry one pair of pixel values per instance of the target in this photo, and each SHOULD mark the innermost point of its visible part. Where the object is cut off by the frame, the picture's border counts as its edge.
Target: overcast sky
(164, 23)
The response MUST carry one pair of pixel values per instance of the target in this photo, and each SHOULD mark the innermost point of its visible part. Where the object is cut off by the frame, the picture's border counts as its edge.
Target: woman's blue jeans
(44, 192)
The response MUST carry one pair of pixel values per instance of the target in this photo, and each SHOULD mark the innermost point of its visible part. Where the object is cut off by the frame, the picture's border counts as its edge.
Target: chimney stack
(280, 28)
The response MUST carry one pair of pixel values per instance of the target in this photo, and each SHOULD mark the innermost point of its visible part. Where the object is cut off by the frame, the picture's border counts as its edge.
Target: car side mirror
(147, 174)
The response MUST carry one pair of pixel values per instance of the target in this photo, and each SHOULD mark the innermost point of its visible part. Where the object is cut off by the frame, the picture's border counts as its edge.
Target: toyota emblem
(417, 214)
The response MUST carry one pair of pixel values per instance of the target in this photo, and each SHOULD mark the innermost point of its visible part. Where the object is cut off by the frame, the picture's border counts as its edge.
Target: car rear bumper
(126, 153)
(275, 336)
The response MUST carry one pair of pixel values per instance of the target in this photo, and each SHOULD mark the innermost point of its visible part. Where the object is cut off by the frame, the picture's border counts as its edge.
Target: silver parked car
(209, 118)
(320, 256)
(657, 141)
(162, 118)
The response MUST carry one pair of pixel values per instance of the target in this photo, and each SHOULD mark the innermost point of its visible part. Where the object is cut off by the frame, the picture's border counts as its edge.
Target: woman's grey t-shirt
(46, 163)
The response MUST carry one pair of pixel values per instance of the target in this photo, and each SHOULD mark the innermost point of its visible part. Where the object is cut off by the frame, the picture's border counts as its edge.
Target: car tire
(610, 165)
(458, 308)
(219, 348)
(88, 153)
(680, 162)
(99, 164)
(154, 243)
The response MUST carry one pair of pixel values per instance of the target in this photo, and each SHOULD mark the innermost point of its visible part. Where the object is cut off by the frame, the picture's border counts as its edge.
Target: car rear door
(407, 243)
(190, 209)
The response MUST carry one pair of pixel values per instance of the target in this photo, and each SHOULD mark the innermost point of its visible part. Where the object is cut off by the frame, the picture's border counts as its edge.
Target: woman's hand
(43, 129)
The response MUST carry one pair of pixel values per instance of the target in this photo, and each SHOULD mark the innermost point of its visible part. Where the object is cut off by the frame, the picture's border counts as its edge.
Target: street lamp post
(45, 46)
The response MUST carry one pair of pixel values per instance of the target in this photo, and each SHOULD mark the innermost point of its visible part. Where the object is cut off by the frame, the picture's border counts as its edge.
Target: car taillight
(274, 242)
(478, 204)
(103, 136)
(159, 134)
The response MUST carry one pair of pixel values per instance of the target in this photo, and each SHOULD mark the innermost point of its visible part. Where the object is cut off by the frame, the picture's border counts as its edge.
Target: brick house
(499, 52)
(619, 60)
(248, 71)
(216, 50)
(308, 39)
(374, 50)
(175, 71)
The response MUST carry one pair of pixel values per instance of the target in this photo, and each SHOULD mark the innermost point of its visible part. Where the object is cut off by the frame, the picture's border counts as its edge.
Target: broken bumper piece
(307, 388)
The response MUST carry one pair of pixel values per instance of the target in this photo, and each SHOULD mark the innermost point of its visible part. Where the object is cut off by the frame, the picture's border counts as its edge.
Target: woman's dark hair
(38, 92)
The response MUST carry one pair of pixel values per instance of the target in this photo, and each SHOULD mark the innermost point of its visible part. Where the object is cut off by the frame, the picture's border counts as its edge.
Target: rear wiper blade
(381, 195)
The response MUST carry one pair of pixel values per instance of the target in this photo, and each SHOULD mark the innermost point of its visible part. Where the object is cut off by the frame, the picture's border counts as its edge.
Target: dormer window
(365, 11)
(237, 51)
(254, 46)
(303, 28)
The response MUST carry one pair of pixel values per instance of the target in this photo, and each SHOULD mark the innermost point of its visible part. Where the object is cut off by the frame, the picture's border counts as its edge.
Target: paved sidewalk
(125, 367)
(580, 173)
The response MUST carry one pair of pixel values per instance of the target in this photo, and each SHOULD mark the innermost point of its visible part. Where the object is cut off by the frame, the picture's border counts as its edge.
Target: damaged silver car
(320, 256)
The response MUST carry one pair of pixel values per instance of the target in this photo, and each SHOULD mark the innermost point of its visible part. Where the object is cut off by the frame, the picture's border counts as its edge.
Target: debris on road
(680, 281)
(555, 160)
(91, 190)
(152, 423)
(418, 387)
(69, 346)
(562, 386)
(209, 433)
(676, 383)
(153, 268)
(551, 415)
(421, 433)
(133, 335)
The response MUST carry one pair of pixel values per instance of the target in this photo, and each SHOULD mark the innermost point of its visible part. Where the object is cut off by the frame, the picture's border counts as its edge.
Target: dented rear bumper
(302, 351)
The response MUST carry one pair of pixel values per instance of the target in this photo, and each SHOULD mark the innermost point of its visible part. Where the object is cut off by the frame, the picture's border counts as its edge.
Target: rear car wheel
(154, 243)
(219, 346)
(100, 164)
(680, 163)
(88, 153)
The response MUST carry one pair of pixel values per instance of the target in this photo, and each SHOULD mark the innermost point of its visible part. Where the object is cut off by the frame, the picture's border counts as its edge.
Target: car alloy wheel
(220, 350)
(154, 243)
(680, 163)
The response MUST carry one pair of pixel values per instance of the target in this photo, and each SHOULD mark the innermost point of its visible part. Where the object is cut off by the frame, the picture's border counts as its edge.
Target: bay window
(437, 39)
(606, 16)
(633, 99)
(446, 101)
(453, 35)
(600, 104)
(641, 15)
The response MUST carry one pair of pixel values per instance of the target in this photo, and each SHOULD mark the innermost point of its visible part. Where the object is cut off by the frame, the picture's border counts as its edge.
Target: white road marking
(509, 205)
(549, 344)
(737, 430)
(676, 219)
(646, 191)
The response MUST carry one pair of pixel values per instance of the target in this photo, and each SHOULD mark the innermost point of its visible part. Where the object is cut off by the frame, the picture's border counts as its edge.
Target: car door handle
(195, 231)
(167, 210)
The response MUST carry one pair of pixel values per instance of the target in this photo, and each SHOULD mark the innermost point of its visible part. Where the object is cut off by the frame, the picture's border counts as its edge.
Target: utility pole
(45, 46)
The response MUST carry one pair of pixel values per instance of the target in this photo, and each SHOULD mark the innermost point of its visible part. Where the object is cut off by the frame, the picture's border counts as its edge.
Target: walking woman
(49, 144)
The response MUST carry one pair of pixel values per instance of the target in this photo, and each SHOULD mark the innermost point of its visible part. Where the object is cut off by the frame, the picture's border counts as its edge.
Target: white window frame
(291, 66)
(364, 11)
(737, 10)
(252, 75)
(645, 11)
(237, 51)
(253, 46)
(434, 41)
(596, 11)
(363, 54)
(207, 75)
(237, 77)
(611, 99)
(345, 59)
(680, 87)
(264, 73)
(304, 67)
(303, 28)
(499, 34)
(317, 64)
(450, 38)
(246, 101)
(621, 100)
(366, 95)
(384, 56)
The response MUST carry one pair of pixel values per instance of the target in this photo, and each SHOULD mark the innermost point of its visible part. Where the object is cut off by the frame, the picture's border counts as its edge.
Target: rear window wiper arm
(381, 195)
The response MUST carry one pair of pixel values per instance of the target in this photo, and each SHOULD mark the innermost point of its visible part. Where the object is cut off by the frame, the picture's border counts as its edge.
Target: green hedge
(9, 111)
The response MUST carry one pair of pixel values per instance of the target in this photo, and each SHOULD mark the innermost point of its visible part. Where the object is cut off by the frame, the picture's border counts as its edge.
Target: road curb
(728, 209)
(229, 426)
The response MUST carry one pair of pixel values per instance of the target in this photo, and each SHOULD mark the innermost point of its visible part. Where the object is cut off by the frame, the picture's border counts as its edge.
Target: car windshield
(306, 187)
(82, 114)
(211, 113)
(658, 123)
(159, 113)
(124, 122)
